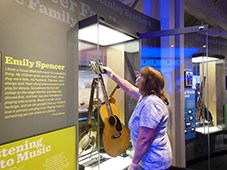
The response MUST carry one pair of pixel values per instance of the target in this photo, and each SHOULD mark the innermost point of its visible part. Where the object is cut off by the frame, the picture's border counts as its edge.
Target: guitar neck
(107, 102)
(90, 107)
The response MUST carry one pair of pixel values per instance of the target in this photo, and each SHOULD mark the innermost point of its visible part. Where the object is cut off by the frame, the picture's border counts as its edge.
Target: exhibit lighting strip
(203, 59)
(102, 35)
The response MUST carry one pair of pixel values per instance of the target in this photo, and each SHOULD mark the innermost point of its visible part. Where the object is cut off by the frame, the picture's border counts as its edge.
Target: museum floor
(216, 163)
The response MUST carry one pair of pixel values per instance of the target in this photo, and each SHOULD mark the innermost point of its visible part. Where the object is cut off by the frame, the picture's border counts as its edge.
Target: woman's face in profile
(139, 77)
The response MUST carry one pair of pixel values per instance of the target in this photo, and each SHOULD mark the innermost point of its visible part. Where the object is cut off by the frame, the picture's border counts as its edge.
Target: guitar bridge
(115, 136)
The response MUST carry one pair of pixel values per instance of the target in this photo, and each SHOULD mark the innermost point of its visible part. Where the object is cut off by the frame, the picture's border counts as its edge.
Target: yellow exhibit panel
(54, 150)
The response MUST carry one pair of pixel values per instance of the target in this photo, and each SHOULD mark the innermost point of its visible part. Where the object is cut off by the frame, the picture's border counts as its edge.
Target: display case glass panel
(195, 89)
(97, 150)
(208, 66)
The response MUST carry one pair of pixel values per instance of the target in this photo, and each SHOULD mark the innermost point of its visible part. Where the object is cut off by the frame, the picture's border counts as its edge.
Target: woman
(148, 123)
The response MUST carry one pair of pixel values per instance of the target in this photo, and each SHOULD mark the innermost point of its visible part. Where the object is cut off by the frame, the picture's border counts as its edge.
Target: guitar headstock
(96, 66)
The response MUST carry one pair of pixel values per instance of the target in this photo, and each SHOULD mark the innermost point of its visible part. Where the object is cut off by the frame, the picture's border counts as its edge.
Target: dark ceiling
(199, 12)
(190, 20)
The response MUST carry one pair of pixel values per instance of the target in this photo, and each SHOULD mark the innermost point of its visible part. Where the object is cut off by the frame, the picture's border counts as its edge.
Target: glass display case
(209, 77)
(207, 67)
(103, 42)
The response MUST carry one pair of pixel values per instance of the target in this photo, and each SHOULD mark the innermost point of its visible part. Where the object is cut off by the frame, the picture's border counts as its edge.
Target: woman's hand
(133, 166)
(108, 71)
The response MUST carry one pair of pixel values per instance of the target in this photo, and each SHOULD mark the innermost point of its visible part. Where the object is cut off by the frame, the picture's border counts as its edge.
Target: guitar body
(115, 142)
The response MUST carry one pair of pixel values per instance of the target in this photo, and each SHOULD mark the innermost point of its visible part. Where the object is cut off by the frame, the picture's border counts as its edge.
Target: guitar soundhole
(112, 120)
(118, 124)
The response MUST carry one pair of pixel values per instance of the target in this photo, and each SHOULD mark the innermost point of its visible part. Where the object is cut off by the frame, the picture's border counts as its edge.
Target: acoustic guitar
(115, 135)
(87, 140)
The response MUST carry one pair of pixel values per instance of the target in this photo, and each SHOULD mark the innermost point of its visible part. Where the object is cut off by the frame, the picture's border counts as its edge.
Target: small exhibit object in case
(188, 77)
